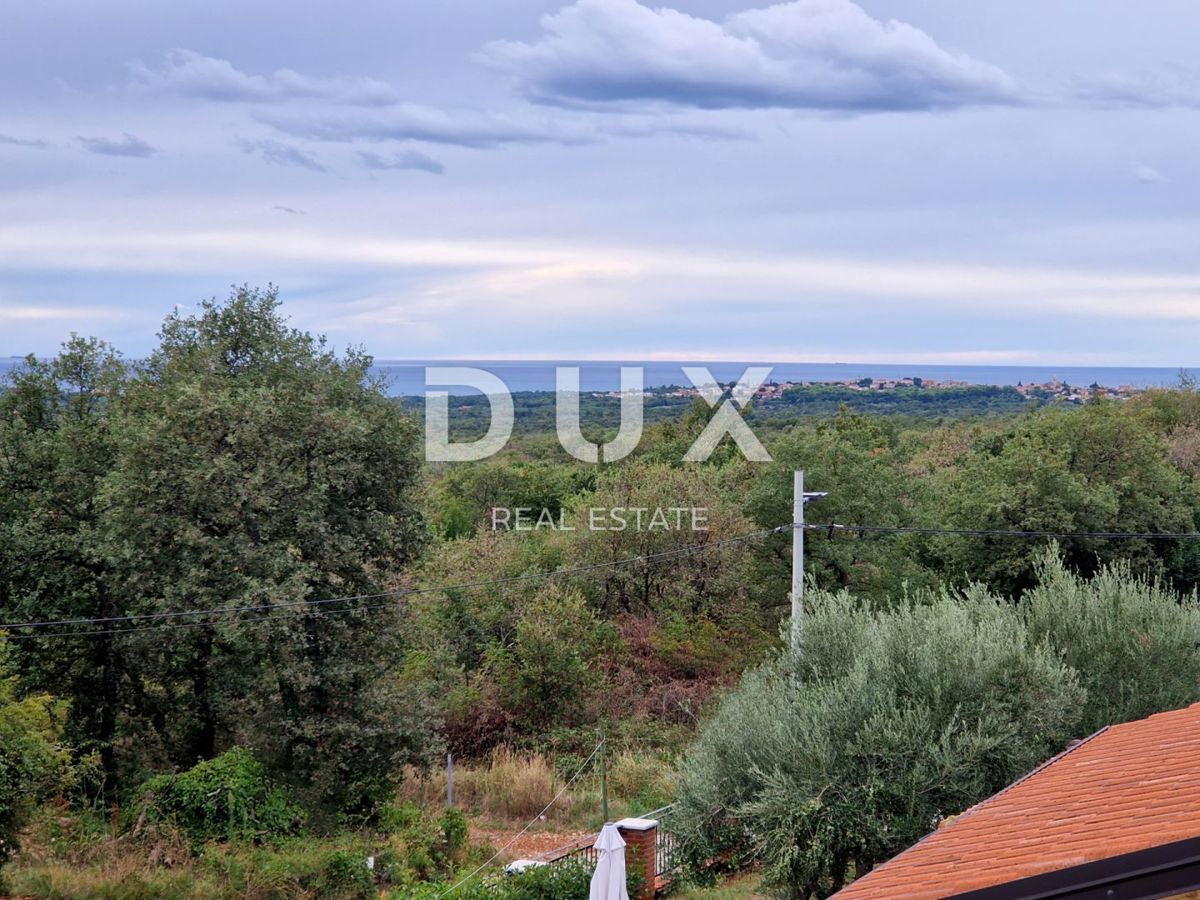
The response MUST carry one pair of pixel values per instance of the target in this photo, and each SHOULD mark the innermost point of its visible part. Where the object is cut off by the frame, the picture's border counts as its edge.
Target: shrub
(549, 670)
(454, 829)
(889, 719)
(395, 818)
(1132, 641)
(648, 781)
(346, 876)
(33, 762)
(885, 721)
(228, 797)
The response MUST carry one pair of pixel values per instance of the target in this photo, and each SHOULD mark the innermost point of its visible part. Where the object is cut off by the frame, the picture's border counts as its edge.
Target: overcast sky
(898, 180)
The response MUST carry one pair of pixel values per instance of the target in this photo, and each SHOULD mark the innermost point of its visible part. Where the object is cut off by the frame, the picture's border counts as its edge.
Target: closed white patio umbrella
(608, 881)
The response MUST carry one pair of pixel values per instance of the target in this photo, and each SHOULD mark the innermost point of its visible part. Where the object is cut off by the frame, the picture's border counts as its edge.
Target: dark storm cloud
(810, 54)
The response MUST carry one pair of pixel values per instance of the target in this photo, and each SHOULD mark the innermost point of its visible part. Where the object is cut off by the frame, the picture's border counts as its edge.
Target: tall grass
(507, 786)
(512, 788)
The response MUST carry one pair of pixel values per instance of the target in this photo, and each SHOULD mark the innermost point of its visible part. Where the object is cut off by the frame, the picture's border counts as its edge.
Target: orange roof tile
(1126, 788)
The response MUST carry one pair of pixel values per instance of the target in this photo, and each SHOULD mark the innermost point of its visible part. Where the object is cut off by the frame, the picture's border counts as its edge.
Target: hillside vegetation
(270, 619)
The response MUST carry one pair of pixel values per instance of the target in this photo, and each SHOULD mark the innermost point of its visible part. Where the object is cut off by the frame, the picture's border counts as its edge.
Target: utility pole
(797, 558)
(799, 499)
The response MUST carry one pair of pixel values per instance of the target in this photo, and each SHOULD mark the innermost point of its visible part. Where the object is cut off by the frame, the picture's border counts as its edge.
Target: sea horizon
(406, 377)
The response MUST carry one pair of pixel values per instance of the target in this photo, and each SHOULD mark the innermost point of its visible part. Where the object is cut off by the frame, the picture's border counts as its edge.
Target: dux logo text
(727, 419)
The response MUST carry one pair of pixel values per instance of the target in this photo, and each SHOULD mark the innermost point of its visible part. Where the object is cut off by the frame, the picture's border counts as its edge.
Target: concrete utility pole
(799, 499)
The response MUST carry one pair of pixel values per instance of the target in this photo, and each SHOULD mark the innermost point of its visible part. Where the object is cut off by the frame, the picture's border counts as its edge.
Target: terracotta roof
(1126, 788)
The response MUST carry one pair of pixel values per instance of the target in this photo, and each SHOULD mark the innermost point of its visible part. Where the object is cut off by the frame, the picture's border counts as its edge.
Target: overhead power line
(835, 527)
(165, 620)
(203, 618)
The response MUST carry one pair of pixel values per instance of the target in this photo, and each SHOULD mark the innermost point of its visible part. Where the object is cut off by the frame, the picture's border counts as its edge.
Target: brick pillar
(640, 836)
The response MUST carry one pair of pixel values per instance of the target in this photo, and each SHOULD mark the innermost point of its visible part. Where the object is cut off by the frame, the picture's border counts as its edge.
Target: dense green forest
(251, 587)
(535, 410)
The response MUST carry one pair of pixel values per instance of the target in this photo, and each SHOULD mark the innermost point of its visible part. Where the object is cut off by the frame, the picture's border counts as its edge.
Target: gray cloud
(411, 122)
(32, 143)
(1163, 89)
(809, 54)
(127, 145)
(657, 126)
(280, 154)
(290, 210)
(401, 159)
(191, 74)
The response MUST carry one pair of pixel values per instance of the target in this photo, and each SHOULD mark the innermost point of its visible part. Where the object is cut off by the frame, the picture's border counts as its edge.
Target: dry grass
(641, 779)
(126, 878)
(508, 786)
(513, 788)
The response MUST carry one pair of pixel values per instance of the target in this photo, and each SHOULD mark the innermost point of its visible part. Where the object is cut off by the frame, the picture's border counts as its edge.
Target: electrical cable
(520, 833)
(156, 619)
(834, 527)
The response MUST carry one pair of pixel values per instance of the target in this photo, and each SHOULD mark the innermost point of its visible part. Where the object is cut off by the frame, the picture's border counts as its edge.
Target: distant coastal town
(1048, 391)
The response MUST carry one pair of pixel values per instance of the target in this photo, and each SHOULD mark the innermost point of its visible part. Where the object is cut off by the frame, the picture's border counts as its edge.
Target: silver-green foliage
(1133, 641)
(824, 763)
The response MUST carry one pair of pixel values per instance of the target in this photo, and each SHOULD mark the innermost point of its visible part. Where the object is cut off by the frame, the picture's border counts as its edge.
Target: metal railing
(665, 861)
(581, 849)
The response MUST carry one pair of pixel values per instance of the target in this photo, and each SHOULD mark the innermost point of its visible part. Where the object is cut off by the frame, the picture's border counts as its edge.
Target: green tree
(893, 715)
(1099, 468)
(57, 446)
(255, 467)
(696, 506)
(1135, 644)
(547, 674)
(466, 494)
(857, 461)
(886, 720)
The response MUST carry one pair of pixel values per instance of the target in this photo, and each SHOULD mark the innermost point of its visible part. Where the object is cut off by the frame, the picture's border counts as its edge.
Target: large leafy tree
(255, 467)
(1096, 469)
(243, 464)
(57, 446)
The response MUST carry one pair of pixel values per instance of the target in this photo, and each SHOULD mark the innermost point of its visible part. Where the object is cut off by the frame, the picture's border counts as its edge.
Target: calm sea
(407, 377)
